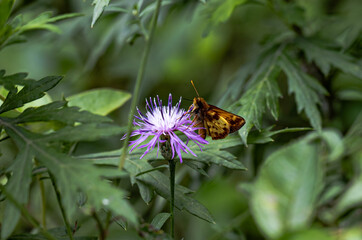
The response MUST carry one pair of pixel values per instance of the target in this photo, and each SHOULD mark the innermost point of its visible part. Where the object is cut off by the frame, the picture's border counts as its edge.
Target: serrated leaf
(237, 83)
(286, 189)
(100, 194)
(160, 219)
(263, 93)
(160, 183)
(325, 58)
(220, 10)
(43, 22)
(306, 89)
(18, 187)
(99, 101)
(292, 13)
(29, 93)
(98, 9)
(196, 167)
(85, 132)
(154, 179)
(10, 81)
(214, 153)
(58, 111)
(265, 135)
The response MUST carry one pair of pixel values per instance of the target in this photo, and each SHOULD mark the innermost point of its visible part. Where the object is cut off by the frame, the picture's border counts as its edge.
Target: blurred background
(187, 46)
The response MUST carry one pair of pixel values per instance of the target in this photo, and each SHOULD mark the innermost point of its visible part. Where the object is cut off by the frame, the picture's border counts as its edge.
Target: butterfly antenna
(192, 82)
(188, 99)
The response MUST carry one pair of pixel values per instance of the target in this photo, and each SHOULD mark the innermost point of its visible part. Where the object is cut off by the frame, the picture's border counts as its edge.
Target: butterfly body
(214, 121)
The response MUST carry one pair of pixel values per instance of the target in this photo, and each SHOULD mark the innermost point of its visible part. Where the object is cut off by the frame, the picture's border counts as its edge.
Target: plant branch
(59, 199)
(102, 233)
(140, 75)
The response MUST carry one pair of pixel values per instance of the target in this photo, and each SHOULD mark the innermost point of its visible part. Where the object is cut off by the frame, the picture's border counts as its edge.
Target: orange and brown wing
(216, 126)
(235, 122)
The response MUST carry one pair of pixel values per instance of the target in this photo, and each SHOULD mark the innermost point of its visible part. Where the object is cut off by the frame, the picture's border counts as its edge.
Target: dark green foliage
(292, 69)
(72, 176)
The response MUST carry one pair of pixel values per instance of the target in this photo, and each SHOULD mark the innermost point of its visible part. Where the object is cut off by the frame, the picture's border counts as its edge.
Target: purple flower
(163, 122)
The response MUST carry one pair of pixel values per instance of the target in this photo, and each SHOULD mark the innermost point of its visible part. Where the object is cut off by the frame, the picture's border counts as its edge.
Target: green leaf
(160, 219)
(28, 236)
(237, 84)
(285, 191)
(100, 194)
(88, 132)
(292, 13)
(263, 93)
(150, 8)
(353, 139)
(99, 101)
(351, 198)
(18, 187)
(220, 10)
(214, 153)
(196, 167)
(58, 111)
(319, 234)
(5, 10)
(29, 93)
(325, 58)
(153, 179)
(98, 9)
(10, 81)
(265, 135)
(306, 90)
(145, 191)
(160, 183)
(43, 22)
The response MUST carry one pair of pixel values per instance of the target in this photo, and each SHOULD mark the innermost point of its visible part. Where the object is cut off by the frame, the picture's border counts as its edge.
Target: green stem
(108, 221)
(140, 75)
(102, 232)
(25, 213)
(59, 199)
(43, 200)
(172, 165)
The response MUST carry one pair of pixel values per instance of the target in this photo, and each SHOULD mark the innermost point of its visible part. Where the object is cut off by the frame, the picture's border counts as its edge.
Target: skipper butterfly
(216, 122)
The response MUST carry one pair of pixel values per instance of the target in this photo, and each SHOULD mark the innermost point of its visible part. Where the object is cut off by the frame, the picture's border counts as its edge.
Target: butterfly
(215, 122)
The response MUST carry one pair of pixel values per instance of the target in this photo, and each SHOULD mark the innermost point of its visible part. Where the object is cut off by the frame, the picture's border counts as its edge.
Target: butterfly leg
(201, 131)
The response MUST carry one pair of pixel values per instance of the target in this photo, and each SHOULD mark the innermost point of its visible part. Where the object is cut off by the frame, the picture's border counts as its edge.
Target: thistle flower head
(162, 123)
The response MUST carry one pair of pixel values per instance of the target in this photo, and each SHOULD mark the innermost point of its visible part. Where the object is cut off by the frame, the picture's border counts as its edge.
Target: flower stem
(172, 165)
(140, 75)
(25, 213)
(59, 199)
